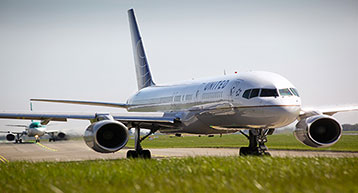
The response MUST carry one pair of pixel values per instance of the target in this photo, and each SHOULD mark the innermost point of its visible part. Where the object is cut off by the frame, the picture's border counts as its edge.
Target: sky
(81, 49)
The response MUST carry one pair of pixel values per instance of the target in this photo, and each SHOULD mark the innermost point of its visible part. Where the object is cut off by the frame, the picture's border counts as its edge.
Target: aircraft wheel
(145, 154)
(20, 140)
(244, 151)
(132, 154)
(16, 141)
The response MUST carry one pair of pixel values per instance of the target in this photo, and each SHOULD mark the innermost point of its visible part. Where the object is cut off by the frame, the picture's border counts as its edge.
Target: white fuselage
(36, 131)
(218, 105)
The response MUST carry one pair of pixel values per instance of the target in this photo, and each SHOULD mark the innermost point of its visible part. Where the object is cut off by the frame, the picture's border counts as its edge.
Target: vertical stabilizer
(144, 77)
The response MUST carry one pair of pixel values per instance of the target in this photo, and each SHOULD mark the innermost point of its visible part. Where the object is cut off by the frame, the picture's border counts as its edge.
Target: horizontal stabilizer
(92, 103)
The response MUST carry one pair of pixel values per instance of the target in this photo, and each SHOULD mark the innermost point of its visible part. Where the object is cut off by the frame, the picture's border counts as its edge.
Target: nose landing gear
(257, 139)
(37, 139)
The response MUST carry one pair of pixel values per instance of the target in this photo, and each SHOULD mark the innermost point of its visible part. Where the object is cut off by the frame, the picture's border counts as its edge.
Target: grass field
(279, 141)
(201, 174)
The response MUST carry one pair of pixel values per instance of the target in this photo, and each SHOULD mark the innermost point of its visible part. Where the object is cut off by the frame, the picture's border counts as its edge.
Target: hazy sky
(81, 49)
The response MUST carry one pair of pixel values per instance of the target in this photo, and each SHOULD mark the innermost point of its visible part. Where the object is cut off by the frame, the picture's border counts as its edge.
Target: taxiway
(77, 150)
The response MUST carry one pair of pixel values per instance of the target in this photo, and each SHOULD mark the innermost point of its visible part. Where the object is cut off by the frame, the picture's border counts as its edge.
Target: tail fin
(144, 77)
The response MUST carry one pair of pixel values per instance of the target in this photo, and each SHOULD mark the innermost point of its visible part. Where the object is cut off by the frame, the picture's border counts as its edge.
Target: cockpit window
(294, 91)
(268, 93)
(246, 94)
(285, 92)
(35, 125)
(254, 93)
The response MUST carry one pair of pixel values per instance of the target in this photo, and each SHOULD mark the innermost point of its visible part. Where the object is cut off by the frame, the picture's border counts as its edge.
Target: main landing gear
(139, 152)
(52, 137)
(18, 137)
(257, 139)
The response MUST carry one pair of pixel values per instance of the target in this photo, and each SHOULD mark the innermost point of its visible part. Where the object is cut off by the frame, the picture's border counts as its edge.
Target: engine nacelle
(10, 137)
(61, 135)
(106, 136)
(318, 131)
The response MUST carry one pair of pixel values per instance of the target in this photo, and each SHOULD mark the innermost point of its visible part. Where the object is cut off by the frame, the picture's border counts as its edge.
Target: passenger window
(294, 91)
(246, 94)
(254, 93)
(268, 93)
(285, 92)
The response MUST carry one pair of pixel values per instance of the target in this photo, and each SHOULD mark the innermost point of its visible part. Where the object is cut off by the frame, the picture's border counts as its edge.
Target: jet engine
(61, 135)
(318, 131)
(10, 137)
(106, 136)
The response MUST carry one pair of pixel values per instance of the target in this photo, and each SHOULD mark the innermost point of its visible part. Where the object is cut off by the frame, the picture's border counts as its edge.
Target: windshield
(268, 93)
(294, 91)
(285, 92)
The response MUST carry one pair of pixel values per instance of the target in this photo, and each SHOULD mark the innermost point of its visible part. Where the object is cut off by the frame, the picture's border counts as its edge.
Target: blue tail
(144, 77)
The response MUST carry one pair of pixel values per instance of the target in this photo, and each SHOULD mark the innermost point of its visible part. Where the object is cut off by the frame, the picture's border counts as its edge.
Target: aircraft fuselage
(216, 105)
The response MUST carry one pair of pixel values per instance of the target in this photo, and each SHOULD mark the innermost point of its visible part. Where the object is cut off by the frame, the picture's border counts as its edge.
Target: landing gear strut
(52, 137)
(257, 139)
(18, 138)
(139, 152)
(37, 139)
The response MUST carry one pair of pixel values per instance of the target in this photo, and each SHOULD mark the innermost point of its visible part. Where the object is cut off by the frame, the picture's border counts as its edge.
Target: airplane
(258, 102)
(34, 129)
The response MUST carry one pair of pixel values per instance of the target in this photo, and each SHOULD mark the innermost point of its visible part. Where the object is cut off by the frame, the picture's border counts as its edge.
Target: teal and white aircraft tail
(258, 102)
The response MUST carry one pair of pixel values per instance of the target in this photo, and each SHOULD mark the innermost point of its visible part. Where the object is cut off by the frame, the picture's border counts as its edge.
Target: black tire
(146, 154)
(132, 154)
(20, 140)
(244, 151)
(16, 141)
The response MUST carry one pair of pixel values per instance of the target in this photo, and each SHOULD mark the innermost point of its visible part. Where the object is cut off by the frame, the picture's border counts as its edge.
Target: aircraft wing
(93, 103)
(146, 120)
(14, 132)
(17, 125)
(329, 110)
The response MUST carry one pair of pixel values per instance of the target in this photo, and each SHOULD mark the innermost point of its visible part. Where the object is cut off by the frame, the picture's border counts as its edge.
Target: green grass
(279, 141)
(200, 174)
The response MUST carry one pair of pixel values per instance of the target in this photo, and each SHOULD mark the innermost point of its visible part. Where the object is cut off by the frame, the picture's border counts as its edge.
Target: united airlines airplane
(258, 102)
